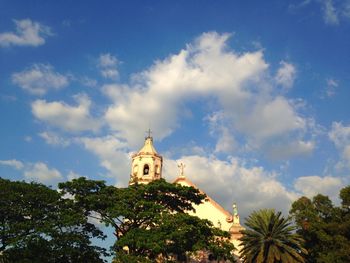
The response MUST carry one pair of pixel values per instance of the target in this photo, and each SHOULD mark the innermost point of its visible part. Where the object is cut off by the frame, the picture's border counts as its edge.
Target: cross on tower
(149, 133)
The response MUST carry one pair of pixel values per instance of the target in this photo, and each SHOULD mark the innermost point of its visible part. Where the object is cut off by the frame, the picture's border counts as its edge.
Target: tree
(38, 225)
(270, 238)
(345, 197)
(325, 227)
(150, 221)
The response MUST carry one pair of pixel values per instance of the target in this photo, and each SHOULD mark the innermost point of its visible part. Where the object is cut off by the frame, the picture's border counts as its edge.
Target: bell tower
(146, 165)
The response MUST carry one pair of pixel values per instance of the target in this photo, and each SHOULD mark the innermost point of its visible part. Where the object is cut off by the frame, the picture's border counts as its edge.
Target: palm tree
(270, 238)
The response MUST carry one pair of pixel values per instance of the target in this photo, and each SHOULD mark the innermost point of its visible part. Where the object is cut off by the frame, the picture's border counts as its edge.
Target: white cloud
(110, 73)
(53, 139)
(283, 151)
(285, 75)
(28, 33)
(107, 60)
(226, 142)
(38, 171)
(205, 68)
(330, 13)
(271, 118)
(340, 136)
(42, 173)
(39, 79)
(313, 185)
(66, 117)
(332, 84)
(108, 66)
(333, 12)
(72, 175)
(250, 186)
(116, 92)
(231, 181)
(156, 94)
(18, 165)
(112, 155)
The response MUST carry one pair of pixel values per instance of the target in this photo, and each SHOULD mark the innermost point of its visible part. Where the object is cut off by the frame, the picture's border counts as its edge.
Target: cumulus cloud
(251, 187)
(226, 142)
(38, 171)
(54, 139)
(271, 118)
(112, 154)
(42, 173)
(313, 185)
(206, 68)
(107, 64)
(340, 136)
(28, 33)
(68, 118)
(285, 75)
(107, 60)
(18, 165)
(39, 79)
(203, 68)
(283, 151)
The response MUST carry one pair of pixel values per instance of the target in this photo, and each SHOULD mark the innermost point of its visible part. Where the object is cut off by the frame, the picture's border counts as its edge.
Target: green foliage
(150, 221)
(270, 238)
(345, 197)
(325, 228)
(38, 225)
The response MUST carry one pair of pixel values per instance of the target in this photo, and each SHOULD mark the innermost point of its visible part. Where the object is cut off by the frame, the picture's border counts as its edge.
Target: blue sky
(252, 96)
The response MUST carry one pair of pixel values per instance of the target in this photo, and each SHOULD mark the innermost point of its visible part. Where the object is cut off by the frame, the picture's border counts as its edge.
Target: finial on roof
(182, 168)
(149, 134)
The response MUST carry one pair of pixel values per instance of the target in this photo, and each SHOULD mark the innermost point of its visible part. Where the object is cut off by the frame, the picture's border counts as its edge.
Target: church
(146, 166)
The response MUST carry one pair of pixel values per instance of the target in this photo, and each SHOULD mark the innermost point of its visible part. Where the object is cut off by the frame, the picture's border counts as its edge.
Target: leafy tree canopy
(325, 227)
(150, 221)
(38, 225)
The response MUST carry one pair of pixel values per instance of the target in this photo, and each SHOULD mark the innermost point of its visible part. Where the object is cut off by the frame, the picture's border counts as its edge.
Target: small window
(146, 170)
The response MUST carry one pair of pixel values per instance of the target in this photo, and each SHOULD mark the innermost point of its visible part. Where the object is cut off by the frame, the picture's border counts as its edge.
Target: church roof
(209, 199)
(148, 147)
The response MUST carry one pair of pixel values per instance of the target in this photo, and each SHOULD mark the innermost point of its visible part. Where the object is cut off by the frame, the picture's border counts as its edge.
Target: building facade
(147, 165)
